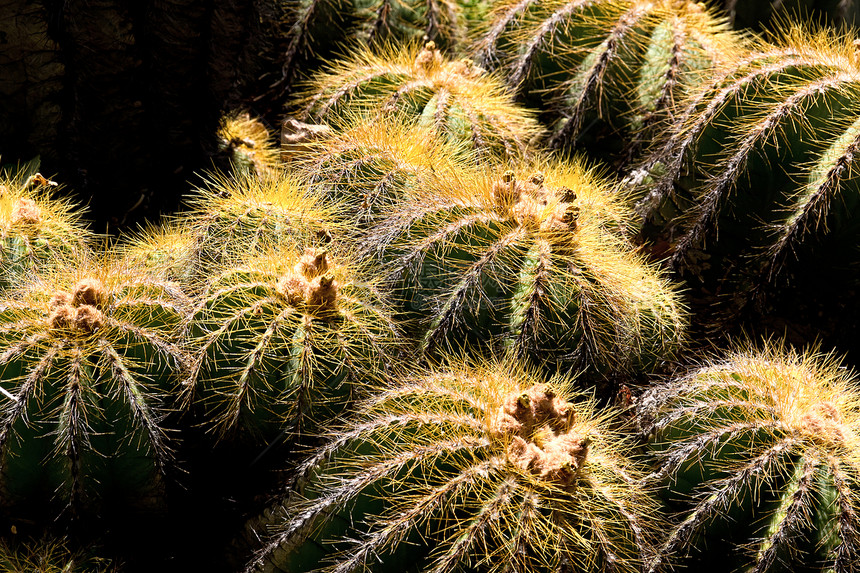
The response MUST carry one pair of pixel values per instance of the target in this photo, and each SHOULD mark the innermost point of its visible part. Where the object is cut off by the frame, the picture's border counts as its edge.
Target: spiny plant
(321, 28)
(468, 468)
(168, 250)
(756, 179)
(248, 144)
(367, 163)
(286, 341)
(625, 61)
(765, 14)
(233, 216)
(89, 359)
(36, 228)
(532, 260)
(454, 98)
(51, 556)
(760, 450)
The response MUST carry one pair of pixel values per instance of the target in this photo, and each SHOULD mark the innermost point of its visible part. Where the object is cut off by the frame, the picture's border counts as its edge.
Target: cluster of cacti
(455, 99)
(382, 319)
(763, 449)
(625, 61)
(531, 260)
(483, 468)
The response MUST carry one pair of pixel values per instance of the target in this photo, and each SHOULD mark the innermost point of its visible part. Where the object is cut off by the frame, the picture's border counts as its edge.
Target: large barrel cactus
(529, 260)
(37, 229)
(90, 359)
(760, 450)
(755, 183)
(286, 341)
(623, 60)
(484, 469)
(454, 98)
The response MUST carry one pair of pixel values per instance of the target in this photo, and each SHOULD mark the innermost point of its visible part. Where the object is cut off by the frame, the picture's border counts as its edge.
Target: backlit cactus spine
(530, 260)
(285, 342)
(453, 98)
(484, 469)
(36, 229)
(90, 361)
(623, 60)
(247, 144)
(763, 450)
(51, 556)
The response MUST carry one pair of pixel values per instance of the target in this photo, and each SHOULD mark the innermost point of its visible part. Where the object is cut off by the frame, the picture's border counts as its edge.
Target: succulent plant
(453, 98)
(765, 14)
(480, 468)
(760, 450)
(368, 164)
(286, 341)
(625, 61)
(755, 182)
(89, 360)
(36, 228)
(248, 144)
(533, 262)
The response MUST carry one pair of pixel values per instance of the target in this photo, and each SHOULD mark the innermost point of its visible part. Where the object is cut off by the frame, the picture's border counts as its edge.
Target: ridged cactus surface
(760, 453)
(625, 61)
(484, 469)
(36, 228)
(756, 181)
(286, 341)
(456, 99)
(530, 260)
(90, 361)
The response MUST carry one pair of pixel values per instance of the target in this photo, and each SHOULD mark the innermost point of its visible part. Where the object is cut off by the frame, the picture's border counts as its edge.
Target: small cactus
(36, 229)
(760, 450)
(529, 260)
(89, 355)
(248, 144)
(453, 98)
(286, 341)
(473, 468)
(625, 61)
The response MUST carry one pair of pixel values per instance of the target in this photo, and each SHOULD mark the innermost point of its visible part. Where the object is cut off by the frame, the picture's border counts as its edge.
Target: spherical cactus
(368, 164)
(625, 61)
(760, 451)
(755, 180)
(169, 251)
(286, 341)
(484, 469)
(233, 216)
(454, 98)
(89, 357)
(247, 144)
(36, 229)
(531, 260)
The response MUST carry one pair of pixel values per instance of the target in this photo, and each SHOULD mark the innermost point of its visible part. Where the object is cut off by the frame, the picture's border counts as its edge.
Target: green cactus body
(533, 263)
(36, 230)
(169, 251)
(370, 164)
(757, 173)
(759, 450)
(483, 469)
(248, 145)
(624, 61)
(233, 217)
(285, 342)
(454, 99)
(88, 357)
